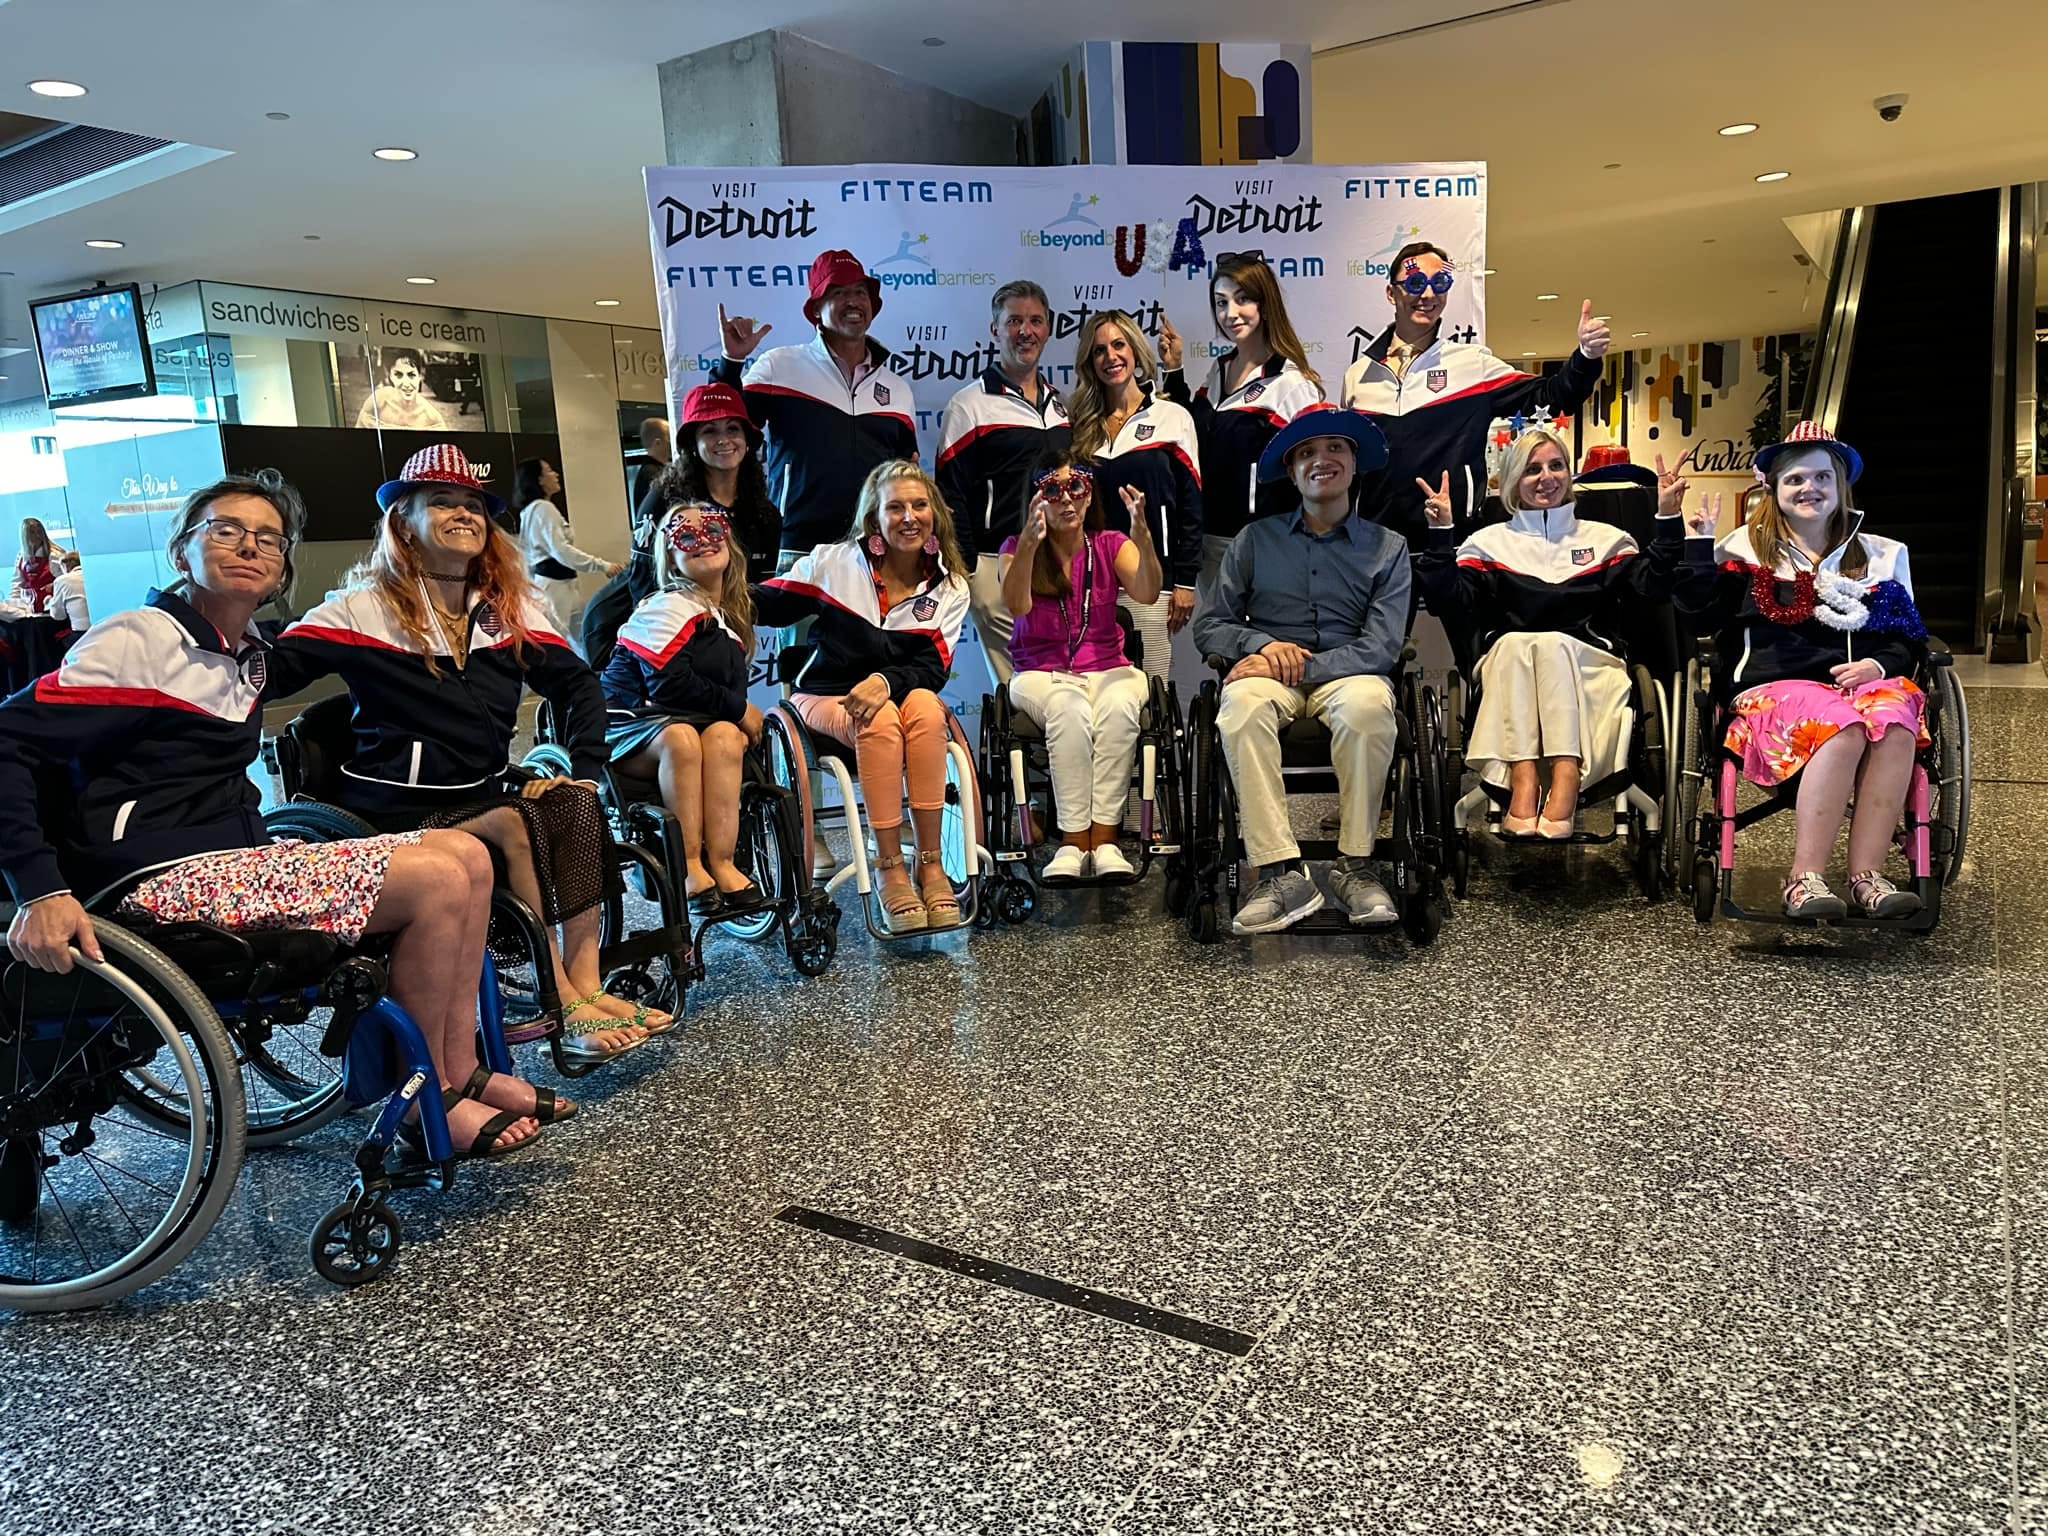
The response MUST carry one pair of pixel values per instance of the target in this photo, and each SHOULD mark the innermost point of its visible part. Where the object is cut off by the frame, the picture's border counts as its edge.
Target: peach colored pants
(899, 739)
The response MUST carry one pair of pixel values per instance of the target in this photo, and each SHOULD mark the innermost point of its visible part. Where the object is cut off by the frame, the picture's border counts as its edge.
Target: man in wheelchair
(1309, 615)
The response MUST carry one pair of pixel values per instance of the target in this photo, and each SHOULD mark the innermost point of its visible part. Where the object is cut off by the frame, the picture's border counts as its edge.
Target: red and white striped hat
(1805, 435)
(441, 464)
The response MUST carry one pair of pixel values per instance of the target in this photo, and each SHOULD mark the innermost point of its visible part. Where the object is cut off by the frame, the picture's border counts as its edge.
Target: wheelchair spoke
(95, 1164)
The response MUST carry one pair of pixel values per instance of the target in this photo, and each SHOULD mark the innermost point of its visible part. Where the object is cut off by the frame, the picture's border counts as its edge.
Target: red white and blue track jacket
(148, 729)
(989, 441)
(1435, 419)
(422, 740)
(675, 656)
(821, 437)
(1233, 429)
(1157, 451)
(911, 645)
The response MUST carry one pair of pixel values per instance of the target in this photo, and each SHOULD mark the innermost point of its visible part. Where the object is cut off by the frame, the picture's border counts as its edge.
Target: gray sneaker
(1365, 900)
(1278, 902)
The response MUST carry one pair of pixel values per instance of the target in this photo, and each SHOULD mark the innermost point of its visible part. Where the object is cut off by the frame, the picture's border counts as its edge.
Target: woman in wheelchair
(889, 600)
(1061, 577)
(438, 633)
(677, 683)
(1545, 596)
(1819, 621)
(154, 717)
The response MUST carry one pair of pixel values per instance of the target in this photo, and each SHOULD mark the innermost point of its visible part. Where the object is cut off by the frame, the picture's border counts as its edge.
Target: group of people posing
(1294, 535)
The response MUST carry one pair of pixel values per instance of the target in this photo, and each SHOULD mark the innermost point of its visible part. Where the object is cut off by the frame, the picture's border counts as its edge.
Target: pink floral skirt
(329, 888)
(1777, 727)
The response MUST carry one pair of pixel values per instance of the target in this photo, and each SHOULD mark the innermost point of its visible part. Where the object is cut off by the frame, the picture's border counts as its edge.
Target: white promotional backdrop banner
(942, 239)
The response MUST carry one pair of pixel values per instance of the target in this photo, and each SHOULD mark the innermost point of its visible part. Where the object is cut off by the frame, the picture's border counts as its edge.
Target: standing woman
(889, 600)
(1820, 620)
(438, 635)
(35, 570)
(1061, 576)
(1127, 436)
(1252, 391)
(552, 558)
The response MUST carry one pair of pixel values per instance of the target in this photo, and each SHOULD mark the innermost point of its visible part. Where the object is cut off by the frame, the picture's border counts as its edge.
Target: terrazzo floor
(1587, 1220)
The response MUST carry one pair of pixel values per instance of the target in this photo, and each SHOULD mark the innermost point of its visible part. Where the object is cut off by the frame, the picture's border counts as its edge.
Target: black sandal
(482, 1146)
(547, 1107)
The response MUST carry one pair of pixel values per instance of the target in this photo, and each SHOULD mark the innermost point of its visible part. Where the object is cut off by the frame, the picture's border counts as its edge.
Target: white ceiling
(534, 117)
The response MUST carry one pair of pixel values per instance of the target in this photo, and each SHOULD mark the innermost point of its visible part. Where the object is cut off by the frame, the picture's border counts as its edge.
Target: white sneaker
(1070, 863)
(1110, 863)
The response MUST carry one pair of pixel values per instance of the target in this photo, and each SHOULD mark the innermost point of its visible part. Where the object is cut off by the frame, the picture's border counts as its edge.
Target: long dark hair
(684, 483)
(1049, 576)
(1256, 278)
(526, 483)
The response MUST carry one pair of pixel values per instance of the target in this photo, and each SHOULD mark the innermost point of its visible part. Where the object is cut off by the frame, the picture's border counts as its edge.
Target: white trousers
(992, 620)
(1544, 694)
(1359, 712)
(1091, 735)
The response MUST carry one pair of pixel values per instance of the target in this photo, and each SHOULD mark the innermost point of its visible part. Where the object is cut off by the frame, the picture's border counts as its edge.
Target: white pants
(1543, 694)
(992, 620)
(1149, 619)
(1359, 712)
(1091, 735)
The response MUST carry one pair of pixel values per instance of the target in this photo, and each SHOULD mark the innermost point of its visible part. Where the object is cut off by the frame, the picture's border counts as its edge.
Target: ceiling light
(1775, 176)
(1545, 298)
(106, 245)
(935, 42)
(1488, 272)
(606, 303)
(279, 117)
(309, 237)
(394, 152)
(56, 88)
(424, 282)
(1637, 335)
(1737, 130)
(1528, 354)
(1612, 165)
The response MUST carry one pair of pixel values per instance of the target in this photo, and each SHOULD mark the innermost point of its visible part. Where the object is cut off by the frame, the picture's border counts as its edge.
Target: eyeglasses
(1416, 284)
(228, 534)
(706, 536)
(1067, 484)
(1240, 256)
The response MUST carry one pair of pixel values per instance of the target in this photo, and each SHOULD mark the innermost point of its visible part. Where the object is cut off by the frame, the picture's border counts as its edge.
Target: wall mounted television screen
(94, 346)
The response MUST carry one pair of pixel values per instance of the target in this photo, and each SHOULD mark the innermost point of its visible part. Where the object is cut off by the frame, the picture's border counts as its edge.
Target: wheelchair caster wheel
(1706, 889)
(1019, 901)
(1424, 918)
(354, 1244)
(1205, 924)
(985, 912)
(1461, 867)
(812, 955)
(1179, 887)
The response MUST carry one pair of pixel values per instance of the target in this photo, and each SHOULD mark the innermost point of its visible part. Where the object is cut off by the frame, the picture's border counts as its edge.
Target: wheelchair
(771, 850)
(1412, 803)
(1933, 835)
(307, 756)
(1016, 777)
(125, 1126)
(804, 762)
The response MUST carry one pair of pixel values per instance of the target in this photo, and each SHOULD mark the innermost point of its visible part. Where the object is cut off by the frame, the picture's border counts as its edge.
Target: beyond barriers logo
(909, 267)
(1072, 228)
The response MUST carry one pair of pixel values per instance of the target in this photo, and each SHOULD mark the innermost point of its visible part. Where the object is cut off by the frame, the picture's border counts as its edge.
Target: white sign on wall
(942, 239)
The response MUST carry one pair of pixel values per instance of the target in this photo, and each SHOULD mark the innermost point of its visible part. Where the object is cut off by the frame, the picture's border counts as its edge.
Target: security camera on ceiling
(1890, 108)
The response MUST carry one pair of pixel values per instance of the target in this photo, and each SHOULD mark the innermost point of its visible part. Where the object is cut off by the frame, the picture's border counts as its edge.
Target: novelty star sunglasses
(1417, 283)
(703, 537)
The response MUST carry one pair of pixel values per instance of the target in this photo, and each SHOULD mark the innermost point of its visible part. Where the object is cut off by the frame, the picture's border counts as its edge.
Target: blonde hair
(393, 571)
(1770, 537)
(1516, 464)
(1086, 406)
(867, 518)
(735, 604)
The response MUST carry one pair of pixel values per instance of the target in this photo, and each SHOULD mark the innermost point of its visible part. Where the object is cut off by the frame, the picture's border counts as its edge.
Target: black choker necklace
(437, 576)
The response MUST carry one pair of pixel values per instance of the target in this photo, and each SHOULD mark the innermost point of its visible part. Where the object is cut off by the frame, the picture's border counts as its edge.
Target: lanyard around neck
(1074, 638)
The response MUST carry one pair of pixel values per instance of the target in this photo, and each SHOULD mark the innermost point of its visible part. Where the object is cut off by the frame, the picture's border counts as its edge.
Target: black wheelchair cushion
(325, 738)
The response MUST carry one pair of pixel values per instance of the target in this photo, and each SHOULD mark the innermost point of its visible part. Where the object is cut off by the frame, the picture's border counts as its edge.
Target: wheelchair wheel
(1180, 887)
(1692, 770)
(355, 1244)
(814, 943)
(550, 761)
(766, 846)
(1018, 901)
(1706, 890)
(95, 1200)
(1205, 921)
(288, 1088)
(310, 821)
(1952, 793)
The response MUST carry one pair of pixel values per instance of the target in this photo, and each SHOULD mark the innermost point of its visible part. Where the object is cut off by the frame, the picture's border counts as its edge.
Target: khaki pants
(1359, 712)
(991, 619)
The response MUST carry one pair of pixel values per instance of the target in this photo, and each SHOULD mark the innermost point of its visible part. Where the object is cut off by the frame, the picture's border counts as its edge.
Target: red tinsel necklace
(1763, 589)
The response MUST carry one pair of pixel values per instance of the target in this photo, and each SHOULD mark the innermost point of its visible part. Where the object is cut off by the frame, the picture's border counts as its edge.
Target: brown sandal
(940, 911)
(906, 914)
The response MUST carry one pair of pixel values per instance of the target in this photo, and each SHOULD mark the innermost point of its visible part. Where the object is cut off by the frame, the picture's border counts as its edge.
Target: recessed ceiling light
(279, 117)
(1612, 165)
(309, 237)
(1637, 335)
(1488, 272)
(1528, 354)
(606, 303)
(424, 282)
(107, 245)
(394, 152)
(1710, 240)
(56, 88)
(1775, 176)
(1737, 130)
(935, 42)
(1545, 298)
(1604, 319)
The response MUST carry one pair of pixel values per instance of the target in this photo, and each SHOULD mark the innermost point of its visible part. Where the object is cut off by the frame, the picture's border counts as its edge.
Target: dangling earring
(877, 545)
(931, 544)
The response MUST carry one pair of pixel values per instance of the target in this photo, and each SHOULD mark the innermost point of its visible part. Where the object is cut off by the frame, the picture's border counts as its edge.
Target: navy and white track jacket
(822, 438)
(1547, 572)
(989, 442)
(1157, 451)
(1716, 584)
(152, 720)
(911, 646)
(424, 741)
(1435, 419)
(676, 656)
(1233, 428)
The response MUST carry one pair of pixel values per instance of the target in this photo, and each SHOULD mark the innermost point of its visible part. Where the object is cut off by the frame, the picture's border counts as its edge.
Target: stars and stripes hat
(1805, 435)
(442, 464)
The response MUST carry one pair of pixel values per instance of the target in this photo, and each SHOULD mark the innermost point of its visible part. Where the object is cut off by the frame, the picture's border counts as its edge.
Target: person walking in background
(552, 558)
(656, 439)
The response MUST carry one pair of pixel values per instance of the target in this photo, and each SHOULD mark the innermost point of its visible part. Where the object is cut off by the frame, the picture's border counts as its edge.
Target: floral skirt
(329, 888)
(1778, 727)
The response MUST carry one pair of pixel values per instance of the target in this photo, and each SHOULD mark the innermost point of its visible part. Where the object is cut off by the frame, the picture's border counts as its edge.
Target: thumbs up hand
(1594, 339)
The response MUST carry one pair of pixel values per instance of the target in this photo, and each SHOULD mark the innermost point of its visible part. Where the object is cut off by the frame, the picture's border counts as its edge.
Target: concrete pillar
(778, 98)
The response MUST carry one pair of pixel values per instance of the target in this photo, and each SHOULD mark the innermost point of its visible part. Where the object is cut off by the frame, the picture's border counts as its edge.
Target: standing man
(1434, 399)
(654, 437)
(1312, 606)
(829, 410)
(995, 431)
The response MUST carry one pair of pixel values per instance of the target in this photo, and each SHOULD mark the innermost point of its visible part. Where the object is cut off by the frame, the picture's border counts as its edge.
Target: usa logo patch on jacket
(881, 394)
(1582, 557)
(1436, 381)
(1144, 433)
(924, 607)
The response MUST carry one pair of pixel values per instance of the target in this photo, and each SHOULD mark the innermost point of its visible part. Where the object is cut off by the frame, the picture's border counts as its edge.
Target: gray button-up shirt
(1341, 594)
